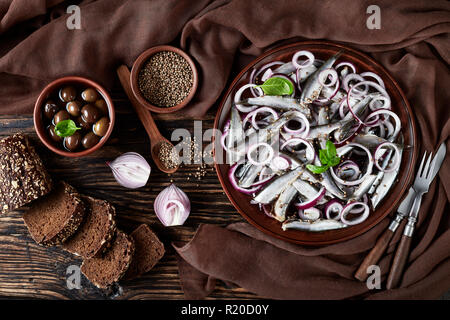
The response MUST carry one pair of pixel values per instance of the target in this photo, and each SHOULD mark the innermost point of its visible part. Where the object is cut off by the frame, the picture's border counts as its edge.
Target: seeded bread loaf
(55, 217)
(23, 177)
(106, 268)
(148, 251)
(96, 230)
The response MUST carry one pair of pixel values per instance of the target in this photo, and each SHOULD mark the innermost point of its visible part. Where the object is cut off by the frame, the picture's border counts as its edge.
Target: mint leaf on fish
(331, 150)
(277, 86)
(66, 128)
(323, 156)
(328, 157)
(317, 169)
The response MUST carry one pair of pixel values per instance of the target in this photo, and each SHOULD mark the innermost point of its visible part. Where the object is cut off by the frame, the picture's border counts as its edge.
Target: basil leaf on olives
(66, 128)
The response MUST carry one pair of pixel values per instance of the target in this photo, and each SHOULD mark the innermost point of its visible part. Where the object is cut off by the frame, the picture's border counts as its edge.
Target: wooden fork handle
(374, 255)
(398, 265)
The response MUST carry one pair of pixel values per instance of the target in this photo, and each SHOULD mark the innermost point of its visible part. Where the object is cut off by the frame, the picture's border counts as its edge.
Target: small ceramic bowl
(47, 92)
(139, 63)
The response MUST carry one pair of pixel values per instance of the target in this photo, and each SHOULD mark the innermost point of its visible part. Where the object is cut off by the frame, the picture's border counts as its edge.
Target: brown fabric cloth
(222, 36)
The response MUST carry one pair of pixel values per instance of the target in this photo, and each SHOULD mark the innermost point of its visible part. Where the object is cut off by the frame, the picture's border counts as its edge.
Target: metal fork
(421, 184)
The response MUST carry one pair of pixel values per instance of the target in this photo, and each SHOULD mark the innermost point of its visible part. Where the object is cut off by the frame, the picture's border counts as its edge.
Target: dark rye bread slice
(23, 177)
(107, 268)
(96, 230)
(148, 251)
(55, 217)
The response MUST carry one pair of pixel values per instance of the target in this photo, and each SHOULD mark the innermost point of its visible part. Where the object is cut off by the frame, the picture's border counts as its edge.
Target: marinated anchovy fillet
(317, 140)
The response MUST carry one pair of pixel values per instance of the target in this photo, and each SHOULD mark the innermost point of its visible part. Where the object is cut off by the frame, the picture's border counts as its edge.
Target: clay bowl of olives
(74, 116)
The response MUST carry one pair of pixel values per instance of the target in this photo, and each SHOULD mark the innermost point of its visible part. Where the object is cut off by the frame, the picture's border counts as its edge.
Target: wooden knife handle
(398, 265)
(374, 255)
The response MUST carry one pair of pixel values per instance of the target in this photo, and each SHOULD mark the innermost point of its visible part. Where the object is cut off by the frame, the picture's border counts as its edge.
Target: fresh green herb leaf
(334, 162)
(317, 169)
(277, 86)
(331, 150)
(323, 156)
(66, 128)
(328, 157)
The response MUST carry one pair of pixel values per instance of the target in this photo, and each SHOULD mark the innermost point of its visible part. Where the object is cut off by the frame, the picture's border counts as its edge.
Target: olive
(53, 135)
(67, 94)
(101, 126)
(74, 108)
(89, 140)
(50, 109)
(89, 95)
(86, 126)
(90, 114)
(60, 116)
(102, 106)
(72, 142)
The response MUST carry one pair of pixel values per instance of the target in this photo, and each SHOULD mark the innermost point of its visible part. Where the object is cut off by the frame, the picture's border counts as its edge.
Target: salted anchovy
(286, 68)
(264, 135)
(323, 117)
(359, 107)
(323, 131)
(306, 190)
(380, 174)
(314, 226)
(283, 202)
(363, 187)
(274, 188)
(277, 102)
(385, 185)
(250, 176)
(235, 133)
(312, 88)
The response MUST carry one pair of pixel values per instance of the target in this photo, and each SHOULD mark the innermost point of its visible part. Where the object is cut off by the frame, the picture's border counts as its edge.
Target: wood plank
(28, 270)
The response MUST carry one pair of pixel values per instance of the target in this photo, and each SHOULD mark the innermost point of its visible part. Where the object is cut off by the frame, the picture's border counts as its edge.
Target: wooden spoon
(156, 139)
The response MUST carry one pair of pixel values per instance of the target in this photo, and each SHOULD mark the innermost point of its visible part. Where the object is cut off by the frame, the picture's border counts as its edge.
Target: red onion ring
(398, 123)
(256, 146)
(346, 64)
(310, 214)
(311, 202)
(374, 76)
(331, 206)
(280, 163)
(301, 53)
(359, 219)
(296, 141)
(396, 156)
(368, 171)
(237, 97)
(328, 73)
(253, 114)
(233, 181)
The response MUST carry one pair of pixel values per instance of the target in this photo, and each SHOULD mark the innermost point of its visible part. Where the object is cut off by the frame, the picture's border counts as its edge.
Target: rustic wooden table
(31, 271)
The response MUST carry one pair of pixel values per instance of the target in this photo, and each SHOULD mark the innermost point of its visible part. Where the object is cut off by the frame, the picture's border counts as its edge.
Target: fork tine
(427, 166)
(419, 172)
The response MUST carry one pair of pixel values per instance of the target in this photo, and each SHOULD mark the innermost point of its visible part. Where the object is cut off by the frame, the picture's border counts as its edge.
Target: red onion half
(172, 206)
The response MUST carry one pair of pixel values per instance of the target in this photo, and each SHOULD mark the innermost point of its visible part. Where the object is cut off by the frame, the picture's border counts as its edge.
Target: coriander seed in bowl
(164, 79)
